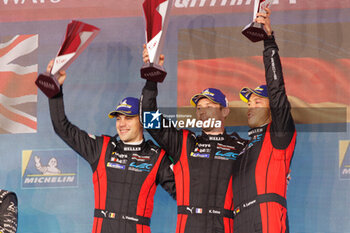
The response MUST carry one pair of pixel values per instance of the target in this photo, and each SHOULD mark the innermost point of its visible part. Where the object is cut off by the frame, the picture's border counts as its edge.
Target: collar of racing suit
(120, 145)
(258, 130)
(219, 137)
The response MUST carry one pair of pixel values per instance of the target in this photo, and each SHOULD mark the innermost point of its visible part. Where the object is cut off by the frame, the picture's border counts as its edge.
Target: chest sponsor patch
(216, 138)
(225, 147)
(116, 165)
(202, 150)
(203, 145)
(132, 148)
(200, 155)
(224, 155)
(117, 160)
(141, 158)
(142, 167)
(121, 156)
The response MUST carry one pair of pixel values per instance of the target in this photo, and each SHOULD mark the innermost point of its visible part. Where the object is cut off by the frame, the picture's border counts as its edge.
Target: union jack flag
(18, 93)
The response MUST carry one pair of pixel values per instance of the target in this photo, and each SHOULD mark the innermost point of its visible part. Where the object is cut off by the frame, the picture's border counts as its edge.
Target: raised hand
(62, 74)
(264, 18)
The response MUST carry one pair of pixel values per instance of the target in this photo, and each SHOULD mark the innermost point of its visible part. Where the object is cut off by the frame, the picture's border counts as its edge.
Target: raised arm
(169, 139)
(282, 126)
(85, 145)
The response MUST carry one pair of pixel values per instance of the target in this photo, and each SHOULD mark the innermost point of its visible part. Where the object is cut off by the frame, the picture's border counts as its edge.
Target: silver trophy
(78, 37)
(255, 31)
(157, 14)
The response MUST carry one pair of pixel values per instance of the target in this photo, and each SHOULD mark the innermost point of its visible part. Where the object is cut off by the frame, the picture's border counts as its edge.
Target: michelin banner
(43, 169)
(203, 48)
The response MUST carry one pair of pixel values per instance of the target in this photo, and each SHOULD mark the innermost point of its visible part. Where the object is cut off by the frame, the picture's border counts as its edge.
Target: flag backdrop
(203, 48)
(18, 95)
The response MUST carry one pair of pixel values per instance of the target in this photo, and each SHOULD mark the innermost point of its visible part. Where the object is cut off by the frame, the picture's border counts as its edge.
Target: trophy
(255, 31)
(78, 37)
(157, 15)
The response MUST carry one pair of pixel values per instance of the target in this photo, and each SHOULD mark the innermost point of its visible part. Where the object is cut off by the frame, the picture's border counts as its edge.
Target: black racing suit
(259, 184)
(8, 212)
(202, 168)
(125, 177)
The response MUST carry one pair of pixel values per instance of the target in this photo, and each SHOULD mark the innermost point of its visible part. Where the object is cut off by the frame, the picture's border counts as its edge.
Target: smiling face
(258, 111)
(206, 109)
(129, 128)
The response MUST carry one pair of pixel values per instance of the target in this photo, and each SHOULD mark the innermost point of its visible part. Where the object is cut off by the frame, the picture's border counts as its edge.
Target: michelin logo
(48, 169)
(344, 159)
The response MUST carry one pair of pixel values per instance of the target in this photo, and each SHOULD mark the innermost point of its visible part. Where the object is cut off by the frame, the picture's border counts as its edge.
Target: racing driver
(125, 172)
(202, 164)
(260, 184)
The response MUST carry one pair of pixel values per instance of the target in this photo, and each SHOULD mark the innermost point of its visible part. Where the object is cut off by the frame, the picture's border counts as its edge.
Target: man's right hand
(62, 74)
(146, 57)
(264, 18)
